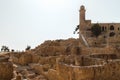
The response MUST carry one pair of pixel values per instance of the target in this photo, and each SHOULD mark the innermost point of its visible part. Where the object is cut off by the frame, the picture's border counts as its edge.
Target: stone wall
(27, 58)
(90, 69)
(95, 50)
(81, 60)
(21, 58)
(48, 61)
(105, 56)
(102, 42)
(114, 40)
(87, 61)
(109, 71)
(52, 74)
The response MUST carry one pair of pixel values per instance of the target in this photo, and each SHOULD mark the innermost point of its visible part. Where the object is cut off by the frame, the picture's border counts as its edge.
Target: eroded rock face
(6, 69)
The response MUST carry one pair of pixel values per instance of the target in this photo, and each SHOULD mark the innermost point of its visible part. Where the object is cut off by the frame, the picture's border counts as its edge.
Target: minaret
(82, 24)
(82, 19)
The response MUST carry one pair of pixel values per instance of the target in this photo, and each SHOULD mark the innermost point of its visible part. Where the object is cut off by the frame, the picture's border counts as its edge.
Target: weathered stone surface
(21, 58)
(6, 71)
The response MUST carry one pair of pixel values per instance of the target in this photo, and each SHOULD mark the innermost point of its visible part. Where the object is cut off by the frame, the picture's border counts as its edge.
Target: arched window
(111, 27)
(111, 34)
(103, 28)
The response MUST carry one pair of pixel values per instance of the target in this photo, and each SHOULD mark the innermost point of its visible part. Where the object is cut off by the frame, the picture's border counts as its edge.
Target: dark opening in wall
(104, 36)
(111, 34)
(111, 27)
(103, 28)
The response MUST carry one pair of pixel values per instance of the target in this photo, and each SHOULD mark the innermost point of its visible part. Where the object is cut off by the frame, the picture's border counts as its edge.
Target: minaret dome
(82, 7)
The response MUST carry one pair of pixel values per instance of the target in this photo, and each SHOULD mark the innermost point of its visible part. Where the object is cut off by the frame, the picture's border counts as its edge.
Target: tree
(76, 29)
(12, 50)
(5, 49)
(28, 48)
(96, 30)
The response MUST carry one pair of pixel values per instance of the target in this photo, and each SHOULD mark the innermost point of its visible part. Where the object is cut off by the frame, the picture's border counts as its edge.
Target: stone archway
(111, 27)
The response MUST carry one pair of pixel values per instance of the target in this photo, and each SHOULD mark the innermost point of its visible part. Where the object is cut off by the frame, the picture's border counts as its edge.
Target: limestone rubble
(61, 60)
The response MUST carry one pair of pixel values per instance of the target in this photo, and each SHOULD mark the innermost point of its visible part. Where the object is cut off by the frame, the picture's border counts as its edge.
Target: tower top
(82, 7)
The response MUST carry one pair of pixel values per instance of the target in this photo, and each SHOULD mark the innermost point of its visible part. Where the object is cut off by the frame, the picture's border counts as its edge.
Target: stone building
(110, 31)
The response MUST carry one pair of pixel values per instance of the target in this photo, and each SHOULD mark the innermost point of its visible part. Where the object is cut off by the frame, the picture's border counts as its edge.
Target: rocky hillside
(56, 47)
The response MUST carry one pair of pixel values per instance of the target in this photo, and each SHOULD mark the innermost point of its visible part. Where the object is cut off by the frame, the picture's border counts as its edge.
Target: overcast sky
(31, 22)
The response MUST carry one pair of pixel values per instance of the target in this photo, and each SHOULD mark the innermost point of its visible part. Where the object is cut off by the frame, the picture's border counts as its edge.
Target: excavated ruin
(61, 60)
